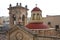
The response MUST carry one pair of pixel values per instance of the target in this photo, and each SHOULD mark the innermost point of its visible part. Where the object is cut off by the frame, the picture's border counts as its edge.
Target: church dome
(36, 9)
(37, 25)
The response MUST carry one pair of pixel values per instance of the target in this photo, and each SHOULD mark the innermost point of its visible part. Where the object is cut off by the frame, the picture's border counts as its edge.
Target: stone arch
(14, 18)
(23, 19)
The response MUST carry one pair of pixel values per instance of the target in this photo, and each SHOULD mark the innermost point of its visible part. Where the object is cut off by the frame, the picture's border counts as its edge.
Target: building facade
(36, 29)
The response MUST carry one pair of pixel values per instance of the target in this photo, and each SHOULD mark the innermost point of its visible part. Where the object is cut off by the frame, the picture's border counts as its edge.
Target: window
(23, 18)
(49, 23)
(33, 16)
(56, 27)
(38, 17)
(14, 17)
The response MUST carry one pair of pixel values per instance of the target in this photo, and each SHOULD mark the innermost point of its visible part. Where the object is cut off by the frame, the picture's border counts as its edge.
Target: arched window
(41, 15)
(23, 19)
(33, 16)
(38, 17)
(14, 19)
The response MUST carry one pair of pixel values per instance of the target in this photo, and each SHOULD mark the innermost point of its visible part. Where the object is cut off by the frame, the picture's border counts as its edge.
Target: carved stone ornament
(19, 36)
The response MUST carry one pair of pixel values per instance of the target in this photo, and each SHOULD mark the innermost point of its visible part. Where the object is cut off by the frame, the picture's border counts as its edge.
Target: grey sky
(48, 7)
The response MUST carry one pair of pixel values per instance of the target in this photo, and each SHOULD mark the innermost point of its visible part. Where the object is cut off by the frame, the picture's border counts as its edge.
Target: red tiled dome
(36, 9)
(36, 26)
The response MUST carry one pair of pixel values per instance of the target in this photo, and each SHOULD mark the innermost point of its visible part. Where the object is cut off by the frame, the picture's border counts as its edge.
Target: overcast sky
(48, 7)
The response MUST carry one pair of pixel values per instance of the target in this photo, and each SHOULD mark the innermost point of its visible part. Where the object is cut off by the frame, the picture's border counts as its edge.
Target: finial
(10, 5)
(25, 6)
(17, 4)
(36, 5)
(20, 4)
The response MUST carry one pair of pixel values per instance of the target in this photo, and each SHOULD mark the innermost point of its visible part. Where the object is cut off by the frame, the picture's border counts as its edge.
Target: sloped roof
(36, 9)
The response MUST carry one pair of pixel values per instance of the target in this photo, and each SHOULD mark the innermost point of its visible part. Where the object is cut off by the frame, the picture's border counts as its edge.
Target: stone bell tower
(18, 14)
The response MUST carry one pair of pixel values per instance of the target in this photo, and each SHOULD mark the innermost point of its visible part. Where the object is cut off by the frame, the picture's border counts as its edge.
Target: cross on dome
(36, 8)
(36, 5)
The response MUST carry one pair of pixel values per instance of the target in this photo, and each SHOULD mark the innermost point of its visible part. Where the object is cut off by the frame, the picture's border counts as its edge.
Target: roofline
(29, 31)
(16, 7)
(44, 29)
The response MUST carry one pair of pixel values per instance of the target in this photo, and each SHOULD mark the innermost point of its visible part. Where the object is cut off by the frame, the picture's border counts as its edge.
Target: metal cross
(36, 5)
